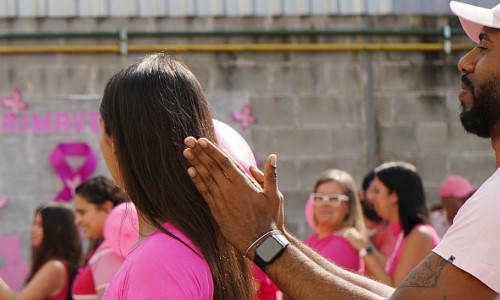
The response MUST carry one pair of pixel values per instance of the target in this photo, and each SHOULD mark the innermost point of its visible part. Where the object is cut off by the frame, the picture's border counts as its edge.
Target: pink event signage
(70, 178)
(61, 122)
(17, 120)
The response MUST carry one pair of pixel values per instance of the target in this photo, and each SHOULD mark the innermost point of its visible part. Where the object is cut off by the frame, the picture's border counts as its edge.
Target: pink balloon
(234, 144)
(310, 213)
(121, 229)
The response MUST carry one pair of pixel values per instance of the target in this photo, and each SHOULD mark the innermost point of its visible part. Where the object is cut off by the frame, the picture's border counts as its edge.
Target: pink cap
(474, 18)
(456, 186)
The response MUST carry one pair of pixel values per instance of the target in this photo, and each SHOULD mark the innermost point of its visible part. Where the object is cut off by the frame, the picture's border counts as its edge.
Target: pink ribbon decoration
(70, 178)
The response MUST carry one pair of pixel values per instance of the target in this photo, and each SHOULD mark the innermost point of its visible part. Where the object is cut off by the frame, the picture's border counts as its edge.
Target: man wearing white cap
(465, 265)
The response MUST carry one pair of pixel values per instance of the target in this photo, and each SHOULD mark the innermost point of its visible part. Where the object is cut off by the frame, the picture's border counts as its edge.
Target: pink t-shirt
(97, 274)
(472, 243)
(337, 249)
(393, 260)
(161, 267)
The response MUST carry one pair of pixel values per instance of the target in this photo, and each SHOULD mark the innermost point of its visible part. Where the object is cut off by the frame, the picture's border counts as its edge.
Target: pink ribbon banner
(70, 178)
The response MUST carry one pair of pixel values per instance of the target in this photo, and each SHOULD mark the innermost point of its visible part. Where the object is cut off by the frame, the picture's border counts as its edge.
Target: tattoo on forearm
(426, 275)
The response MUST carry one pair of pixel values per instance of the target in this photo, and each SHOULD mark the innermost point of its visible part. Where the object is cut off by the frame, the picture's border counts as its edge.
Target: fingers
(201, 186)
(270, 175)
(207, 167)
(202, 178)
(257, 175)
(210, 155)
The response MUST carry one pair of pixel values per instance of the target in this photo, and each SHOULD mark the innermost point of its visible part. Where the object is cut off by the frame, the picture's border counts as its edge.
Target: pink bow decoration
(245, 116)
(14, 103)
(70, 178)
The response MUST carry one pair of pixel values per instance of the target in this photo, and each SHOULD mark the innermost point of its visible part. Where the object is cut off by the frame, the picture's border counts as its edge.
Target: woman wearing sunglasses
(333, 208)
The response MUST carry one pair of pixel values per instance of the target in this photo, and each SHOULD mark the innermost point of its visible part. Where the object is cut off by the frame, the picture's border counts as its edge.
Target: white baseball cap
(474, 18)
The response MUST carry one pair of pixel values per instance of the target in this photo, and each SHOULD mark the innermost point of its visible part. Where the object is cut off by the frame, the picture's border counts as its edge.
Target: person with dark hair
(332, 209)
(146, 111)
(55, 255)
(93, 201)
(399, 199)
(377, 229)
(464, 265)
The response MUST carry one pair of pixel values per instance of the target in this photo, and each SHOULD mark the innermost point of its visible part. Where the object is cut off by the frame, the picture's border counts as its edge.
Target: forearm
(299, 277)
(353, 278)
(373, 267)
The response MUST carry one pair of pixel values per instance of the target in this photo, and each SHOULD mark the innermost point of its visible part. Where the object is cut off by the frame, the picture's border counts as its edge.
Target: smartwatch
(366, 251)
(270, 249)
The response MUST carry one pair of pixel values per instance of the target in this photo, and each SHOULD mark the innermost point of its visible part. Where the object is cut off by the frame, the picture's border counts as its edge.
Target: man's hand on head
(244, 208)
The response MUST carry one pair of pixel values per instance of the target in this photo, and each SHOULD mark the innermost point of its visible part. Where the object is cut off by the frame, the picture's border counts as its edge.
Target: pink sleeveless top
(64, 292)
(393, 260)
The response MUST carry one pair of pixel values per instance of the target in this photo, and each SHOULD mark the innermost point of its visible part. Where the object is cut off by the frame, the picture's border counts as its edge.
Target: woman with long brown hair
(56, 254)
(146, 111)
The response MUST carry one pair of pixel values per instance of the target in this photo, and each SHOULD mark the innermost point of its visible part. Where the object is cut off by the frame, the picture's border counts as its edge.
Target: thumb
(270, 175)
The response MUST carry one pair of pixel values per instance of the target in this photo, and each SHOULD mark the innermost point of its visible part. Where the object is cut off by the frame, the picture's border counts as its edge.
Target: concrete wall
(310, 106)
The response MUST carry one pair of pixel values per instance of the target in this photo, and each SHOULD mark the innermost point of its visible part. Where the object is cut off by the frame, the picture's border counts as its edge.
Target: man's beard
(485, 112)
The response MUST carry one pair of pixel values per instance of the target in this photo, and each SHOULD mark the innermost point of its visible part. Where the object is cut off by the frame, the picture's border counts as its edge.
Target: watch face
(269, 249)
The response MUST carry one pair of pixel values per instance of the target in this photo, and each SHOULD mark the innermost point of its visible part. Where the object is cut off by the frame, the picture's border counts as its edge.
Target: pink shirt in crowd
(393, 260)
(338, 250)
(267, 289)
(97, 274)
(161, 267)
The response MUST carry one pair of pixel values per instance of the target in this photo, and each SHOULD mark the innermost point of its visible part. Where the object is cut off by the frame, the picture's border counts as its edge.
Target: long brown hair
(148, 109)
(60, 239)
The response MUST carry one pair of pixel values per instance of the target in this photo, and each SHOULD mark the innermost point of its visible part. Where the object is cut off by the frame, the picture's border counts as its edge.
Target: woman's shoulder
(53, 269)
(422, 233)
(55, 265)
(165, 256)
(174, 247)
(104, 253)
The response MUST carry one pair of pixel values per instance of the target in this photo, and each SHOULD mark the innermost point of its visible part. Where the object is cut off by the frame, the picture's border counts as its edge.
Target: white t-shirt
(473, 243)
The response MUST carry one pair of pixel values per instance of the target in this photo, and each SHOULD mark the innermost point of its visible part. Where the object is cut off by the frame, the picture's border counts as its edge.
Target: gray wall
(184, 8)
(310, 106)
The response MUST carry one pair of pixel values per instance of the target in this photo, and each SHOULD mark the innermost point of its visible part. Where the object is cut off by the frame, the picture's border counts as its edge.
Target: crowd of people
(465, 264)
(333, 210)
(200, 230)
